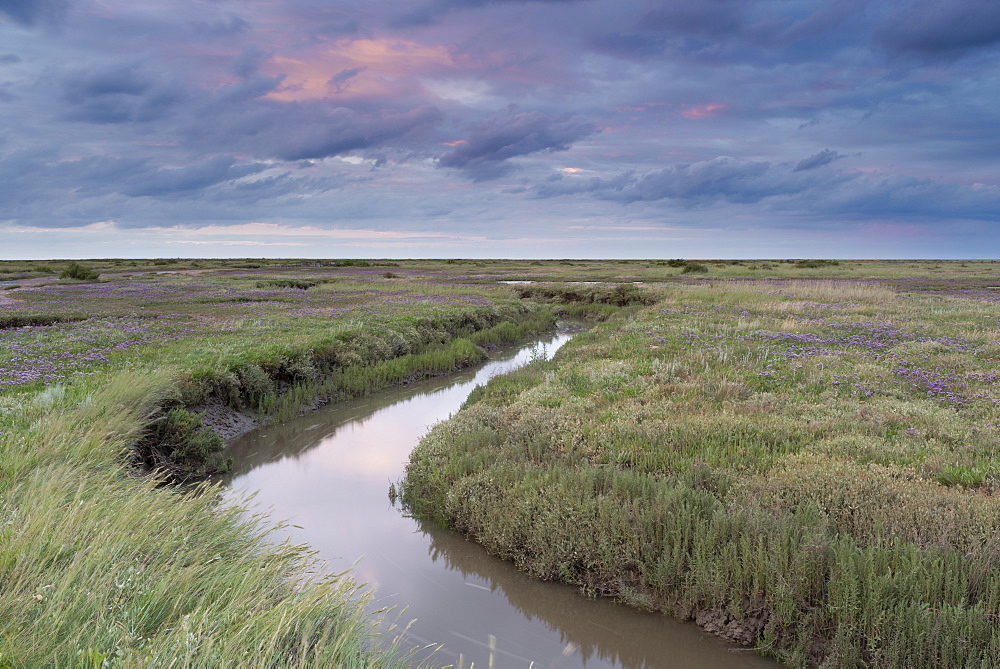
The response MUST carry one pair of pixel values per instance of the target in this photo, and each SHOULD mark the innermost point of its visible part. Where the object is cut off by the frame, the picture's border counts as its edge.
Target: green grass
(799, 454)
(808, 467)
(104, 567)
(99, 565)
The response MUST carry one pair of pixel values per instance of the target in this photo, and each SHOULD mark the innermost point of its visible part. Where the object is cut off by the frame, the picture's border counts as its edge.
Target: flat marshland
(801, 456)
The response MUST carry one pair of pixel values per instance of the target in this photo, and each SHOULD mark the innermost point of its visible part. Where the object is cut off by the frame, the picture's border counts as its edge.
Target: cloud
(339, 81)
(488, 147)
(174, 181)
(248, 63)
(824, 157)
(938, 28)
(710, 18)
(433, 11)
(118, 93)
(817, 190)
(224, 27)
(301, 131)
(34, 12)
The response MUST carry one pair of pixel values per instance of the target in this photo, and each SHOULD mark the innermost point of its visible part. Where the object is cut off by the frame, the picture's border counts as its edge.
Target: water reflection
(328, 473)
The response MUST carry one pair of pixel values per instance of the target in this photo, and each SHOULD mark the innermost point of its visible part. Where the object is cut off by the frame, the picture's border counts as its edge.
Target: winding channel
(328, 473)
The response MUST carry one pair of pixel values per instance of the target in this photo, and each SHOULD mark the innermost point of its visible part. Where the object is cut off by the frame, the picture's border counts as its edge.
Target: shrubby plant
(78, 272)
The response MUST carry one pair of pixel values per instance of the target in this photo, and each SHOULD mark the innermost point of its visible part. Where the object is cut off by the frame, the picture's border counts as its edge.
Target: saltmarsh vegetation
(808, 467)
(102, 566)
(805, 462)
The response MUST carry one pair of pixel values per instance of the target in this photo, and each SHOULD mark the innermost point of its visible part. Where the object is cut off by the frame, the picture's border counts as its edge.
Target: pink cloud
(702, 111)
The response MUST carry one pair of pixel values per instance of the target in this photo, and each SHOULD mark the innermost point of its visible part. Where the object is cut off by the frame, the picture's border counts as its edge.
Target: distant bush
(301, 284)
(692, 266)
(43, 269)
(687, 266)
(390, 275)
(78, 272)
(625, 294)
(816, 263)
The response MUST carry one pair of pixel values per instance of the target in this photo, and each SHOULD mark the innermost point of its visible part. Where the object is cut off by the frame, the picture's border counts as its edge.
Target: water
(328, 474)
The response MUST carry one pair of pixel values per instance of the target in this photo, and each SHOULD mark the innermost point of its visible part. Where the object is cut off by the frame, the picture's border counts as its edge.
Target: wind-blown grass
(102, 567)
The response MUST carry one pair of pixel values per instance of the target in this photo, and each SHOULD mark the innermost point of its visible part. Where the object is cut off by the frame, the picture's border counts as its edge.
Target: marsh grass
(102, 567)
(711, 450)
(808, 467)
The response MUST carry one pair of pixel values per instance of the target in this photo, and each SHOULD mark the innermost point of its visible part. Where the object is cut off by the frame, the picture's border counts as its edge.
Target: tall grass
(101, 567)
(807, 468)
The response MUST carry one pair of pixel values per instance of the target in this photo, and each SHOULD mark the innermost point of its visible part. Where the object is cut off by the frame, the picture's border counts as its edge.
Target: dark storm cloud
(34, 12)
(489, 146)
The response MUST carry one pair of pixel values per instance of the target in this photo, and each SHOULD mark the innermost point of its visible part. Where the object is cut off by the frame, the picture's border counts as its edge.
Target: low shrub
(694, 267)
(816, 263)
(300, 284)
(181, 448)
(78, 272)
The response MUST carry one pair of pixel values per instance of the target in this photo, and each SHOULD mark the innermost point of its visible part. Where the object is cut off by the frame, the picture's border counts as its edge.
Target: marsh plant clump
(78, 272)
(810, 468)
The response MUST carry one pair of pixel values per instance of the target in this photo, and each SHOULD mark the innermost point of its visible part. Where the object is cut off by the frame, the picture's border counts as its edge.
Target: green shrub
(300, 284)
(191, 450)
(816, 263)
(78, 272)
(692, 266)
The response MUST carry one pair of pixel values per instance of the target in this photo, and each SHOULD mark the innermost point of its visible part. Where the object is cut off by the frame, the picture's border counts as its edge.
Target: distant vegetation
(78, 272)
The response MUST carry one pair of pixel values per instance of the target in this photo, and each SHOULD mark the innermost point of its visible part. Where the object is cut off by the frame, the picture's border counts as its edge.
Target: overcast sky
(500, 128)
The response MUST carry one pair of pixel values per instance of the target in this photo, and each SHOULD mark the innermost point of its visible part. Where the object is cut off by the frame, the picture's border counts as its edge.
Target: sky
(500, 128)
